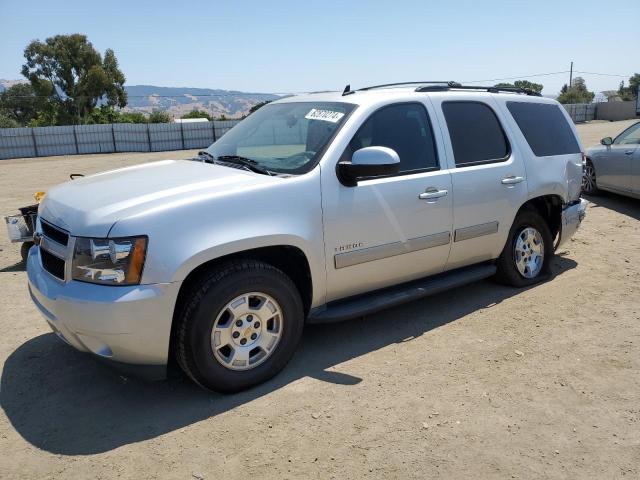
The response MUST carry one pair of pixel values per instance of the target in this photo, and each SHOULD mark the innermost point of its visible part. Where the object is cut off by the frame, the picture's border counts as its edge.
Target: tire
(524, 227)
(24, 250)
(589, 182)
(208, 319)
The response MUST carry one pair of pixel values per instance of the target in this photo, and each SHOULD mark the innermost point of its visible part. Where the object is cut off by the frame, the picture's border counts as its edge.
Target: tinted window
(545, 128)
(476, 134)
(406, 129)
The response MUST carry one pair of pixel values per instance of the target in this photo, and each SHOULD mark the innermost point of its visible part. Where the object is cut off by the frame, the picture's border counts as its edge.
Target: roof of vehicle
(418, 89)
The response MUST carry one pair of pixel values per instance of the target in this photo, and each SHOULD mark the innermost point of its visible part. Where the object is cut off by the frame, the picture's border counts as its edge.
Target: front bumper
(572, 216)
(127, 325)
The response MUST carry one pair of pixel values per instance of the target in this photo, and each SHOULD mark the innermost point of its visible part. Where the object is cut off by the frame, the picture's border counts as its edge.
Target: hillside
(178, 101)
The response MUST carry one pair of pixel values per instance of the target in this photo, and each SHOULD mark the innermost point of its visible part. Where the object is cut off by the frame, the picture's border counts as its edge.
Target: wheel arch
(549, 207)
(288, 258)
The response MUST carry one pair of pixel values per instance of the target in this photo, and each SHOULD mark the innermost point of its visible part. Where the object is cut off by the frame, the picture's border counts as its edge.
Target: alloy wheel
(529, 252)
(247, 331)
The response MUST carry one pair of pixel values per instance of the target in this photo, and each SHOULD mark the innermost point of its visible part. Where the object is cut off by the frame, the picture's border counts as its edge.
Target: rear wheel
(589, 184)
(527, 254)
(240, 325)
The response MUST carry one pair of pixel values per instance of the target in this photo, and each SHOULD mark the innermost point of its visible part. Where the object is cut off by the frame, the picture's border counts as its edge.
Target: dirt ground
(483, 381)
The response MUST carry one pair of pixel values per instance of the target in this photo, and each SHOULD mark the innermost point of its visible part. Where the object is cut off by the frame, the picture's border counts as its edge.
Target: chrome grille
(54, 249)
(54, 233)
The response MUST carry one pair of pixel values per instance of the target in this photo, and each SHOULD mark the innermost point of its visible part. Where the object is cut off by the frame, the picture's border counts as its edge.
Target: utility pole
(571, 75)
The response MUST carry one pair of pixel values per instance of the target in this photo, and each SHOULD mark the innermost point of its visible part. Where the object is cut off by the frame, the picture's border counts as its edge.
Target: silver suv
(316, 208)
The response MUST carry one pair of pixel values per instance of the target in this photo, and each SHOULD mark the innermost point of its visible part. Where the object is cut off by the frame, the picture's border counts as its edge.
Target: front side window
(405, 128)
(545, 128)
(284, 138)
(476, 134)
(631, 136)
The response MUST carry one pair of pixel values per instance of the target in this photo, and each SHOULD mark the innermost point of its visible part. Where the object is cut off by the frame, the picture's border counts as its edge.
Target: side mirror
(607, 141)
(369, 162)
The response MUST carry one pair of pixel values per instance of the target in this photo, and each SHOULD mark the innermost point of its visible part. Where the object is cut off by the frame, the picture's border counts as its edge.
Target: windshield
(284, 137)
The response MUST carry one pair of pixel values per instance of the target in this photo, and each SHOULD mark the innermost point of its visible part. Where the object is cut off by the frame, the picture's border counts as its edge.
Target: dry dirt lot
(483, 381)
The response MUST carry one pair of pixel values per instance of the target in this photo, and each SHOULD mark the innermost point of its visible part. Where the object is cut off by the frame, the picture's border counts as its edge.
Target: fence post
(149, 135)
(35, 145)
(213, 123)
(113, 138)
(182, 135)
(75, 139)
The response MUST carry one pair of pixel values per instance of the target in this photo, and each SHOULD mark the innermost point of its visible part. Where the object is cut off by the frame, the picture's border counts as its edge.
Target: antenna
(347, 90)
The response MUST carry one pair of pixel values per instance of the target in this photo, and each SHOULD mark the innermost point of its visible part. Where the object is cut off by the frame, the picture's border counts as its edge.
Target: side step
(368, 303)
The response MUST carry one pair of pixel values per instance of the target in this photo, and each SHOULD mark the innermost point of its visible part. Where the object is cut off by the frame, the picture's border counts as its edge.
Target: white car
(315, 208)
(614, 165)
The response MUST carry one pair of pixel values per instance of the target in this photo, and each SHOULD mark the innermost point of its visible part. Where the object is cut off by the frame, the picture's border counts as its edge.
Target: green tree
(6, 121)
(132, 117)
(630, 92)
(257, 106)
(71, 74)
(576, 93)
(159, 116)
(198, 114)
(222, 117)
(20, 103)
(525, 84)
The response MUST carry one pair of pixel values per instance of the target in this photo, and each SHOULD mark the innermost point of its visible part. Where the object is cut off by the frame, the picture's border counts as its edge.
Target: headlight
(110, 261)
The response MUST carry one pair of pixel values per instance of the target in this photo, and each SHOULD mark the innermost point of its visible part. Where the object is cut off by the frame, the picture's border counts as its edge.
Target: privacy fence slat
(117, 137)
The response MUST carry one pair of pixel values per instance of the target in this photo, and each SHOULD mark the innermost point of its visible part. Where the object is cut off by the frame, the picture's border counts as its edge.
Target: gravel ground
(482, 381)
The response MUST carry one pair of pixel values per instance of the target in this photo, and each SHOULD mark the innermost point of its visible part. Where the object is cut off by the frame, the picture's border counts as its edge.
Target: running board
(368, 303)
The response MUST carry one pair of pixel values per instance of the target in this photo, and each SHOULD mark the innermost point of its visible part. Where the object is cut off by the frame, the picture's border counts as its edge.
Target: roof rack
(457, 86)
(428, 82)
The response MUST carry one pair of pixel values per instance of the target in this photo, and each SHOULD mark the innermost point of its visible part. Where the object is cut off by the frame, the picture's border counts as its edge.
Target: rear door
(488, 177)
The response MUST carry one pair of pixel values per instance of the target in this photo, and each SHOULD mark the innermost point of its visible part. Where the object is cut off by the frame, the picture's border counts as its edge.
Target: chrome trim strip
(54, 248)
(364, 255)
(474, 231)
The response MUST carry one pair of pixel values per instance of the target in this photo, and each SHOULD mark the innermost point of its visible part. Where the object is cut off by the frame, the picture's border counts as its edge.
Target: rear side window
(476, 134)
(404, 127)
(544, 127)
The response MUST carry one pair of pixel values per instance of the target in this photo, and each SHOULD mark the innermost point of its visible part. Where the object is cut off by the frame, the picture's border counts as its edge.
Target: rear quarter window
(545, 128)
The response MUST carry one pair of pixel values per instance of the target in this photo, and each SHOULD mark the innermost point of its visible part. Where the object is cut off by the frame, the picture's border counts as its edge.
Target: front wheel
(239, 326)
(526, 256)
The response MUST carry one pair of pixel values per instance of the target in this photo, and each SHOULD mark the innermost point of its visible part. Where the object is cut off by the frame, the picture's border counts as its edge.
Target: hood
(91, 205)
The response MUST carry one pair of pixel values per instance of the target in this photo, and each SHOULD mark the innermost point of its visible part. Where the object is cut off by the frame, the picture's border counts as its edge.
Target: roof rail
(428, 82)
(443, 88)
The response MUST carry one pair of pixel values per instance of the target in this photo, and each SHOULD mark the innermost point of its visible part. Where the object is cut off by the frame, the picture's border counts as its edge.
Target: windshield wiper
(245, 162)
(204, 153)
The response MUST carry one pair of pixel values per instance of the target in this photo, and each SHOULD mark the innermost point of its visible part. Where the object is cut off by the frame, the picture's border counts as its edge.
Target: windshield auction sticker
(325, 115)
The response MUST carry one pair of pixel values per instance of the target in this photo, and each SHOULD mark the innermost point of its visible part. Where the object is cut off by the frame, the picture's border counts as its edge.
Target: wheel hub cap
(589, 178)
(529, 252)
(246, 331)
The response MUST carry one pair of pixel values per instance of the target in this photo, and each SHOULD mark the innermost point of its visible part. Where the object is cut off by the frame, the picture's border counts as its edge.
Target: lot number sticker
(326, 115)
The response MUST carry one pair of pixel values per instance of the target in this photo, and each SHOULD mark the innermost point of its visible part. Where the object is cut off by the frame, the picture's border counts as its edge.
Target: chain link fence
(109, 138)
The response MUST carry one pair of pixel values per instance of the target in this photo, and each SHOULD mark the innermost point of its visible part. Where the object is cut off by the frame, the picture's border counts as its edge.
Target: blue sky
(288, 46)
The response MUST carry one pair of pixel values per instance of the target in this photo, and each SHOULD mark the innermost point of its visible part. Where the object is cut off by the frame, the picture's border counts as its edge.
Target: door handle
(432, 194)
(511, 180)
(629, 152)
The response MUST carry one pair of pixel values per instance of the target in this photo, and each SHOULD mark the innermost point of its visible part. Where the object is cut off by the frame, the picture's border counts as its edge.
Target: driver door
(380, 232)
(615, 167)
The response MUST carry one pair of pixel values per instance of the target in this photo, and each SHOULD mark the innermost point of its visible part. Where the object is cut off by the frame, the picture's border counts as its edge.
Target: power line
(603, 74)
(518, 77)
